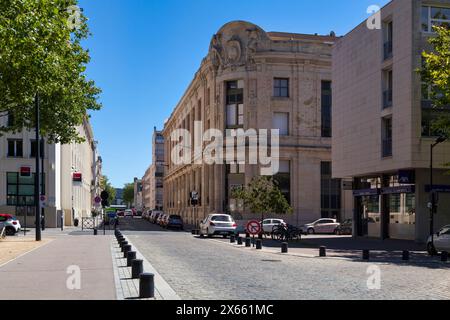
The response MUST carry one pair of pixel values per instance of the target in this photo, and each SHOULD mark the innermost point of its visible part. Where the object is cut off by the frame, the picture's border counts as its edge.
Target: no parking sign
(253, 227)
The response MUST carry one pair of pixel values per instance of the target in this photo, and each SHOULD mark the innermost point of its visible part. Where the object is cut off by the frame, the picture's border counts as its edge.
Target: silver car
(323, 226)
(218, 224)
(440, 242)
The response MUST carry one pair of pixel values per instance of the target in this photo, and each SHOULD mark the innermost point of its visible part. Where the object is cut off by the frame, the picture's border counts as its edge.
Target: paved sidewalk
(42, 273)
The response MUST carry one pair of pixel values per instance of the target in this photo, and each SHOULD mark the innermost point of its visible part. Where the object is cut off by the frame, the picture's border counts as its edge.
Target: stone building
(152, 182)
(381, 122)
(261, 80)
(70, 176)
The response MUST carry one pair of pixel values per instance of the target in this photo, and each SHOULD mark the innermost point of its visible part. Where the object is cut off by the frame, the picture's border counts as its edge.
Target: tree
(41, 53)
(262, 195)
(128, 193)
(105, 185)
(435, 74)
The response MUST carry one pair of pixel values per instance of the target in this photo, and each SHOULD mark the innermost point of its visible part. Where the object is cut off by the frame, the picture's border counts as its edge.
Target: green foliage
(107, 186)
(128, 193)
(40, 52)
(436, 73)
(262, 195)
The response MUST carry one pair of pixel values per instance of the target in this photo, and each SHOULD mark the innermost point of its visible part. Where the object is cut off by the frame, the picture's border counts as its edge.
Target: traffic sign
(253, 227)
(42, 201)
(98, 200)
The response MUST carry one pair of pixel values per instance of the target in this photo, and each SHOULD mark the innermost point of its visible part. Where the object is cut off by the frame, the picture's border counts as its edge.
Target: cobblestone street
(209, 269)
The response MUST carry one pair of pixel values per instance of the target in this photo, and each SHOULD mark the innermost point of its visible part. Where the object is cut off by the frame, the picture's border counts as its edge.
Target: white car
(268, 224)
(323, 226)
(218, 224)
(441, 241)
(11, 224)
(128, 213)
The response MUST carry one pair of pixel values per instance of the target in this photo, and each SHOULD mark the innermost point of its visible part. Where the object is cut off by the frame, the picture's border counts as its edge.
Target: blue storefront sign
(397, 190)
(366, 192)
(438, 188)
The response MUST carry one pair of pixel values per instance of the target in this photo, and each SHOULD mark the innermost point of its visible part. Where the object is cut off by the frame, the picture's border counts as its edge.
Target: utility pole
(37, 177)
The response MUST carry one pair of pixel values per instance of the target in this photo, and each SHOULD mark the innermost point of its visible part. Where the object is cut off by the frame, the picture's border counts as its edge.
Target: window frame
(278, 89)
(15, 153)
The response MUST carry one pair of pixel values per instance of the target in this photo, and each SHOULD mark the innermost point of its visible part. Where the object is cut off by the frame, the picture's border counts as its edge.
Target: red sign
(253, 227)
(77, 177)
(25, 171)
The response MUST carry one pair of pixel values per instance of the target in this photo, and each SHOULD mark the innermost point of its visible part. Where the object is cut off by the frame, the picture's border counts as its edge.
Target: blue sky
(145, 53)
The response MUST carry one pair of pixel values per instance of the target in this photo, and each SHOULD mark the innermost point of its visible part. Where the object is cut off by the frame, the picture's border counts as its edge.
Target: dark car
(174, 221)
(346, 228)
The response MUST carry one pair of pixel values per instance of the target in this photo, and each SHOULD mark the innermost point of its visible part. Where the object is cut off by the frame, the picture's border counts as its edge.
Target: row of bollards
(257, 243)
(146, 280)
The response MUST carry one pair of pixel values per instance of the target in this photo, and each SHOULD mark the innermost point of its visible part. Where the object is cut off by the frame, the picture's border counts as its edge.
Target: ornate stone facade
(253, 60)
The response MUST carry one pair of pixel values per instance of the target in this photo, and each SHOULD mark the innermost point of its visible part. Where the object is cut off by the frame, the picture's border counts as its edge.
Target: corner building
(252, 79)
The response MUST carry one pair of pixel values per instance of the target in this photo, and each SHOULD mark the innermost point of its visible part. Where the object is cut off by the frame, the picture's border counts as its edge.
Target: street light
(433, 208)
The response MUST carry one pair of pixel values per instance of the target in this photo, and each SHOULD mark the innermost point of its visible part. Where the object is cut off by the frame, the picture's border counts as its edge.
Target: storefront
(385, 207)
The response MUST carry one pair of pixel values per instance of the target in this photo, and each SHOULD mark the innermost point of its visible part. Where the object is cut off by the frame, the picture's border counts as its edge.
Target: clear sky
(146, 52)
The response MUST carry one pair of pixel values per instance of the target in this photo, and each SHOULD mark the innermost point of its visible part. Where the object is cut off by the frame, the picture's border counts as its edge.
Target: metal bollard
(126, 249)
(284, 247)
(95, 232)
(123, 244)
(146, 285)
(405, 255)
(248, 242)
(197, 232)
(247, 235)
(258, 244)
(137, 267)
(366, 255)
(131, 255)
(444, 256)
(239, 241)
(322, 251)
(193, 231)
(232, 238)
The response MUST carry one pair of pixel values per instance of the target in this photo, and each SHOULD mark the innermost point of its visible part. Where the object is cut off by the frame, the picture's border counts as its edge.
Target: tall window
(330, 192)
(11, 120)
(435, 16)
(387, 137)
(15, 148)
(388, 86)
(283, 179)
(281, 87)
(281, 121)
(235, 105)
(33, 149)
(388, 36)
(326, 109)
(20, 190)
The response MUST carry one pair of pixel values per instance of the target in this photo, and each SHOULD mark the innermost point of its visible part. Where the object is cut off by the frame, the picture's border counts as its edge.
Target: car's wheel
(10, 231)
(311, 231)
(431, 249)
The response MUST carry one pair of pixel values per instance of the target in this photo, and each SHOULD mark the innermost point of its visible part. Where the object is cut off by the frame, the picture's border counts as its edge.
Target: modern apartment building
(70, 179)
(152, 182)
(252, 79)
(381, 123)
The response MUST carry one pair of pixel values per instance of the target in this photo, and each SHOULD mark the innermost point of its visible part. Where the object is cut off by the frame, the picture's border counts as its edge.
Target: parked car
(128, 213)
(155, 216)
(139, 213)
(159, 220)
(218, 224)
(175, 221)
(346, 228)
(268, 224)
(323, 226)
(145, 215)
(11, 223)
(121, 213)
(441, 241)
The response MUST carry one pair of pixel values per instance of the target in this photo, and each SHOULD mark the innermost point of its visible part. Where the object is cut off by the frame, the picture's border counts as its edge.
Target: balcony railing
(388, 50)
(387, 148)
(387, 98)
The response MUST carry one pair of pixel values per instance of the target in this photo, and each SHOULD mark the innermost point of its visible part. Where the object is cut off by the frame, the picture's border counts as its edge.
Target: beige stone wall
(243, 52)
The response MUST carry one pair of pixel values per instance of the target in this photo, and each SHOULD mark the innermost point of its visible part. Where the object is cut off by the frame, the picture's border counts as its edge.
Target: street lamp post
(432, 193)
(37, 177)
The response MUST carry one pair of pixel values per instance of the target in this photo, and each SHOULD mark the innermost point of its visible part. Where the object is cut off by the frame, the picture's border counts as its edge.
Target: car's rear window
(175, 217)
(221, 218)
